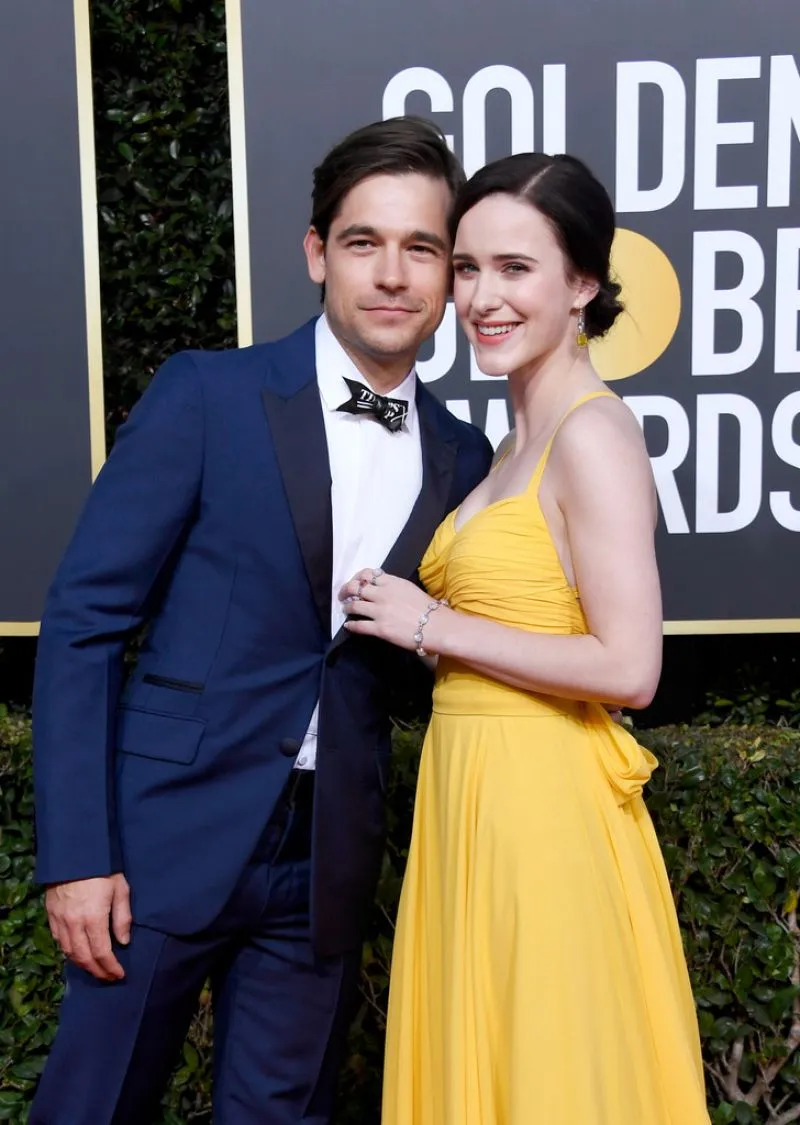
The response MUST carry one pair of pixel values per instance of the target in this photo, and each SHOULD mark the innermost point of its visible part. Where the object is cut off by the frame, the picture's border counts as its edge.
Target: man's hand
(82, 915)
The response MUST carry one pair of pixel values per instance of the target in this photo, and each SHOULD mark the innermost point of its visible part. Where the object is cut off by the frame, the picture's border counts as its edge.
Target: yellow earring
(583, 339)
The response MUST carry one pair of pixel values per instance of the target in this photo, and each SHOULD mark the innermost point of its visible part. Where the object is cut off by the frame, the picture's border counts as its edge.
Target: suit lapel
(301, 448)
(438, 463)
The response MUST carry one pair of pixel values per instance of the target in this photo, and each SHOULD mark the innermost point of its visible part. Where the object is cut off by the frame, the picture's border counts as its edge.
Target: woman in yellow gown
(538, 975)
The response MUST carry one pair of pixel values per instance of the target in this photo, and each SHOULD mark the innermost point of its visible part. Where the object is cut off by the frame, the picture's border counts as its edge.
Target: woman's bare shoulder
(599, 426)
(600, 450)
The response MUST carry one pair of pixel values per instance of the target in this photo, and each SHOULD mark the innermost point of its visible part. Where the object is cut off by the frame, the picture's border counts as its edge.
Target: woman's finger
(366, 626)
(369, 594)
(366, 593)
(352, 588)
(362, 607)
(369, 576)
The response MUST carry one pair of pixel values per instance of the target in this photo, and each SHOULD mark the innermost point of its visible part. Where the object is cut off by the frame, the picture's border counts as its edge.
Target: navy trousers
(280, 1012)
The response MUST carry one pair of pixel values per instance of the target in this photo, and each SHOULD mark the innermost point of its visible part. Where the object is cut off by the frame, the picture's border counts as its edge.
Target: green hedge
(164, 186)
(726, 808)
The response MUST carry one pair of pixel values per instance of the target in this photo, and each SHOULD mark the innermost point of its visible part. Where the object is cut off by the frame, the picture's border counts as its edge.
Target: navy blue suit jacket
(211, 522)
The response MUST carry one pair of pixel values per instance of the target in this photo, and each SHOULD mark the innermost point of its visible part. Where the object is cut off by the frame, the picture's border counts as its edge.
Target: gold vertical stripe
(91, 253)
(241, 218)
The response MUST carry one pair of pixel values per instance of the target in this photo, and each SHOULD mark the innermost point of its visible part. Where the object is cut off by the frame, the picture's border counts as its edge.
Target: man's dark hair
(394, 147)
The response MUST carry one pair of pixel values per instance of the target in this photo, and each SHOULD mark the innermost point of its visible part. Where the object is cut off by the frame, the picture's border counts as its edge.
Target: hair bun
(603, 309)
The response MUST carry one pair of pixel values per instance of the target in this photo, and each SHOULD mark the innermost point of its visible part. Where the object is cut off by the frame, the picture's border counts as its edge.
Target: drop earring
(583, 339)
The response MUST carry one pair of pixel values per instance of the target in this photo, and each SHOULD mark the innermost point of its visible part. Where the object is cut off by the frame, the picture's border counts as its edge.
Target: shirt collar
(334, 365)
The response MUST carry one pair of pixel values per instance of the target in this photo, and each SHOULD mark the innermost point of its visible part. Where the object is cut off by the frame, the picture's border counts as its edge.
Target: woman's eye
(464, 267)
(515, 267)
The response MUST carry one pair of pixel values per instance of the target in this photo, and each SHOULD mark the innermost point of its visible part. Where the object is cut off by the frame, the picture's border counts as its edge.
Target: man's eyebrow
(356, 229)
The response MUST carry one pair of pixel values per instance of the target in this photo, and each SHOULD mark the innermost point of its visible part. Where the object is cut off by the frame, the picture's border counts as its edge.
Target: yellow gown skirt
(538, 975)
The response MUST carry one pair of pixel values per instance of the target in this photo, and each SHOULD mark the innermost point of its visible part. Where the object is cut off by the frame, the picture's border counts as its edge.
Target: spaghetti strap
(542, 462)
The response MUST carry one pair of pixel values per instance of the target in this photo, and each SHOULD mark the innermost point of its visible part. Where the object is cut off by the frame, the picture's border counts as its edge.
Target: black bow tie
(390, 412)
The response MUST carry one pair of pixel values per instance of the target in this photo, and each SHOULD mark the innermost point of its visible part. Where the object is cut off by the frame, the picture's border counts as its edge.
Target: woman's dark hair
(577, 207)
(393, 147)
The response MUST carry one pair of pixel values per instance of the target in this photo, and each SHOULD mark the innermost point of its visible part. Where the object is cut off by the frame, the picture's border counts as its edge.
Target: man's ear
(314, 249)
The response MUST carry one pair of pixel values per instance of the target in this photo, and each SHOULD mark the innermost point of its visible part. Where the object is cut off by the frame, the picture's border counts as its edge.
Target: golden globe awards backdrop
(690, 114)
(51, 408)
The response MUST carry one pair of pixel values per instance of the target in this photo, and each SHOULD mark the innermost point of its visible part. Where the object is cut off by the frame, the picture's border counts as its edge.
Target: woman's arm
(604, 487)
(602, 482)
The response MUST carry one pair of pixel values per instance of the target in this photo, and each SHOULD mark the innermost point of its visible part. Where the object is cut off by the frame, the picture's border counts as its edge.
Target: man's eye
(360, 243)
(422, 249)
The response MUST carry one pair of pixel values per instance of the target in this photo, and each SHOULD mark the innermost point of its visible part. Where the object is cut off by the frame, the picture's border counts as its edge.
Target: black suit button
(290, 747)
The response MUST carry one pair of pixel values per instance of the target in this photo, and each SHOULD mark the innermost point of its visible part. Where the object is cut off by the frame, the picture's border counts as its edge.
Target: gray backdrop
(45, 456)
(312, 72)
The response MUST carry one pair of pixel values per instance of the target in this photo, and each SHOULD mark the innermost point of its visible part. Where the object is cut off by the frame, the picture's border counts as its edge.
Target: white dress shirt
(376, 477)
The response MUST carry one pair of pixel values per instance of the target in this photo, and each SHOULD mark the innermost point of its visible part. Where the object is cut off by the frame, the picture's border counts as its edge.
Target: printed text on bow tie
(390, 412)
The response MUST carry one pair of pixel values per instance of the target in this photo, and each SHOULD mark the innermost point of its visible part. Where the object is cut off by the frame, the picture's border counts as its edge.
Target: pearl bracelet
(423, 621)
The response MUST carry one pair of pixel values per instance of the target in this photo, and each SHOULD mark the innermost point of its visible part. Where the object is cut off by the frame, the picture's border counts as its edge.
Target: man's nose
(390, 270)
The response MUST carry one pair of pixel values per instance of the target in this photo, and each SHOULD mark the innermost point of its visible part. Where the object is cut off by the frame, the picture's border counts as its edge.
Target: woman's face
(512, 289)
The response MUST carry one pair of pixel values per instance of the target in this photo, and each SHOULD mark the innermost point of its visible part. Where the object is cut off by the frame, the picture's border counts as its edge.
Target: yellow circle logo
(651, 295)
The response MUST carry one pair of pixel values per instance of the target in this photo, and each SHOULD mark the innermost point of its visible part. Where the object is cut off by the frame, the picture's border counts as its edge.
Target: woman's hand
(391, 608)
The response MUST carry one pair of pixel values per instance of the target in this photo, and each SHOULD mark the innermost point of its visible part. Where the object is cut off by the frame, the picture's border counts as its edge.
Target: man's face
(386, 268)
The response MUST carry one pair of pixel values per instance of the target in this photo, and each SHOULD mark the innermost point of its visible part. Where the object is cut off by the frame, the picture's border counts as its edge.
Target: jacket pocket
(168, 682)
(167, 738)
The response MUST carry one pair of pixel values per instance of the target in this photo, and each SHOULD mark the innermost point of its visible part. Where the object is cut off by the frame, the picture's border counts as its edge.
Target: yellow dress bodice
(502, 564)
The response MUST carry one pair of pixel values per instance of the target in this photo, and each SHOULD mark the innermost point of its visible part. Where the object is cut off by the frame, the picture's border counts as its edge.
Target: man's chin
(388, 342)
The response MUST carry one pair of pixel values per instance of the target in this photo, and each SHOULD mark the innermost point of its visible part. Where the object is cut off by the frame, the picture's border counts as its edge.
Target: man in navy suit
(219, 814)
